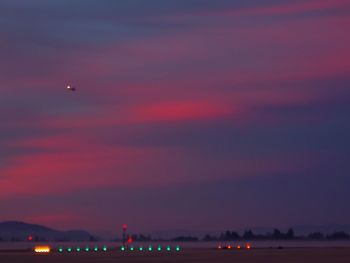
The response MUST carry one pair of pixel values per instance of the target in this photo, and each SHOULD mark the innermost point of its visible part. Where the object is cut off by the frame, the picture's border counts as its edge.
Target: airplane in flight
(70, 88)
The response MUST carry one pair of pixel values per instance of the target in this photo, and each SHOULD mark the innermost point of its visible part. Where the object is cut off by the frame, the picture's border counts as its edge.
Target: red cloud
(78, 165)
(179, 111)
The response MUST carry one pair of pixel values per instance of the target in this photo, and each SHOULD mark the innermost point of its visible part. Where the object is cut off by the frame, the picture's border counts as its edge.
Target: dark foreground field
(295, 255)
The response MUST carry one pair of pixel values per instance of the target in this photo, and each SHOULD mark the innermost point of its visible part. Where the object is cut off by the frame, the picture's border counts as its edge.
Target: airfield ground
(290, 255)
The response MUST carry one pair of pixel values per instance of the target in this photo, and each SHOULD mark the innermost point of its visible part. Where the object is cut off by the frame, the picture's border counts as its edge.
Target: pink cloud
(80, 165)
(114, 65)
(179, 111)
(59, 219)
(276, 53)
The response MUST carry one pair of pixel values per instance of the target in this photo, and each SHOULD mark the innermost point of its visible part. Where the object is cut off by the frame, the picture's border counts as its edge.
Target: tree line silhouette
(228, 235)
(275, 235)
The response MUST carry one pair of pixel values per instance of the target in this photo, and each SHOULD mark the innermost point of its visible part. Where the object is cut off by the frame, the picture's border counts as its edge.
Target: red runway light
(30, 238)
(248, 246)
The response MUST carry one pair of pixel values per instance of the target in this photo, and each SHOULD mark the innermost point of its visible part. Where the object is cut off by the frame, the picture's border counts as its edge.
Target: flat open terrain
(295, 255)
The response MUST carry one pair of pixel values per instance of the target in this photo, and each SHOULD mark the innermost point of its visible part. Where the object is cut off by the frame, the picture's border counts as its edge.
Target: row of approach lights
(47, 249)
(149, 248)
(229, 247)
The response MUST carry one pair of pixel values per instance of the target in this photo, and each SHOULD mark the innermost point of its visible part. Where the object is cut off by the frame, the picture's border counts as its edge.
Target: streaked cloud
(170, 94)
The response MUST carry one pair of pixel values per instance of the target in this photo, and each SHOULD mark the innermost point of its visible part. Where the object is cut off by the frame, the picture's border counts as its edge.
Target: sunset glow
(191, 115)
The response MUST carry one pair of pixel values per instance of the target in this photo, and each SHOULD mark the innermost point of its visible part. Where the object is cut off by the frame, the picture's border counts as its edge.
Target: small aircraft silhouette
(70, 88)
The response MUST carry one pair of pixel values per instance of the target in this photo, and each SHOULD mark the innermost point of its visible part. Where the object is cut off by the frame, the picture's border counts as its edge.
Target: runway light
(229, 247)
(122, 248)
(42, 249)
(78, 249)
(131, 248)
(60, 250)
(87, 249)
(140, 248)
(150, 248)
(69, 249)
(168, 248)
(248, 246)
(159, 248)
(96, 249)
(238, 247)
(104, 248)
(177, 248)
(219, 247)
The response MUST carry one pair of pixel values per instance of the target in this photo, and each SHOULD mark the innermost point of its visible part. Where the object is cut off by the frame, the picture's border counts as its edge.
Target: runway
(288, 255)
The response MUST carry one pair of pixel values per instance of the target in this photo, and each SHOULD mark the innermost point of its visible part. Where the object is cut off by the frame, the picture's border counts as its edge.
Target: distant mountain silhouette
(20, 231)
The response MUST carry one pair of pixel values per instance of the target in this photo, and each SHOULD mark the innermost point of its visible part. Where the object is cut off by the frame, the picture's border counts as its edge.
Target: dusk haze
(174, 116)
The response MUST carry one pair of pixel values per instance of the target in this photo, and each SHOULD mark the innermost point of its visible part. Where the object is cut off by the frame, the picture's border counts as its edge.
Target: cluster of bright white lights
(42, 249)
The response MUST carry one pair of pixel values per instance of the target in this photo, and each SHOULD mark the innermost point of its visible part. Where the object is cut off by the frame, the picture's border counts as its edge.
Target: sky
(187, 114)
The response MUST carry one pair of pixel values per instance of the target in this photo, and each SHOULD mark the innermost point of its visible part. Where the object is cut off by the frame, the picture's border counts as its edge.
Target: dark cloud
(180, 106)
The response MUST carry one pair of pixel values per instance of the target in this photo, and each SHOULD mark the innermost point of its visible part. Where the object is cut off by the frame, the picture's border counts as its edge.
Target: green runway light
(78, 249)
(104, 248)
(69, 249)
(60, 250)
(140, 248)
(96, 249)
(177, 248)
(150, 248)
(122, 248)
(131, 248)
(168, 248)
(87, 249)
(159, 248)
